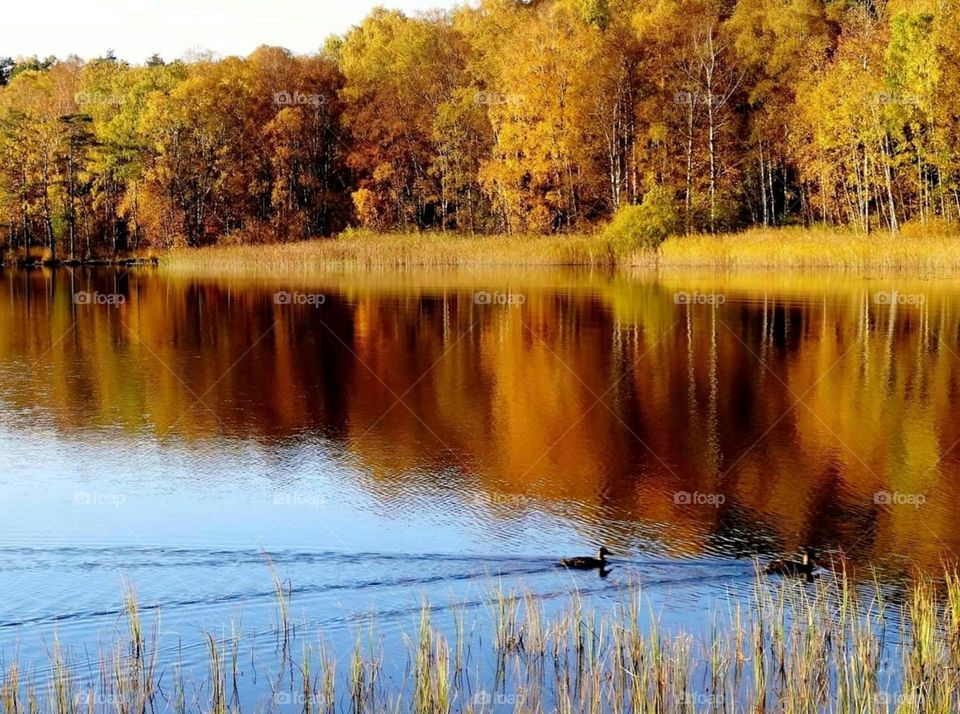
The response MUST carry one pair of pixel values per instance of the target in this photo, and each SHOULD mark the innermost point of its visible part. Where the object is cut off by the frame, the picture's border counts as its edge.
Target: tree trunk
(763, 190)
(688, 198)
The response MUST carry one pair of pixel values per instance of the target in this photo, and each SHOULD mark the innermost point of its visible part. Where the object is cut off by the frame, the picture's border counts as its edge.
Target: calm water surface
(435, 433)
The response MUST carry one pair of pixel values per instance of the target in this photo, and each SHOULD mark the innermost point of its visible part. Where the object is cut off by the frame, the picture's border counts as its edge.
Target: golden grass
(801, 248)
(832, 645)
(925, 248)
(391, 250)
(916, 249)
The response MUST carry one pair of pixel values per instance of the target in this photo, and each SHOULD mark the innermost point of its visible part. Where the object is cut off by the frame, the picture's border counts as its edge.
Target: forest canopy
(498, 117)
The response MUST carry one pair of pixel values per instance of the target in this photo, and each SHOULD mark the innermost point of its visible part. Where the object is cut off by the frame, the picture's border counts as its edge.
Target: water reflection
(806, 411)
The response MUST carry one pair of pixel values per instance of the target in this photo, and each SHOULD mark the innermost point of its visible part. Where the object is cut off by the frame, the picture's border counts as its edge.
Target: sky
(135, 29)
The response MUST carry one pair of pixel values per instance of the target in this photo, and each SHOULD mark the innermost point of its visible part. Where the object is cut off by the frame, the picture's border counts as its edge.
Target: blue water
(98, 496)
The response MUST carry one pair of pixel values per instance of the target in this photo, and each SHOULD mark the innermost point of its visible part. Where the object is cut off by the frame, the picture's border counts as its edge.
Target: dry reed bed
(916, 250)
(919, 251)
(797, 647)
(365, 250)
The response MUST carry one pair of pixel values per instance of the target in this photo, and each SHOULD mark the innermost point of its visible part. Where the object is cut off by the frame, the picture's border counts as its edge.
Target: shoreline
(76, 263)
(790, 249)
(770, 249)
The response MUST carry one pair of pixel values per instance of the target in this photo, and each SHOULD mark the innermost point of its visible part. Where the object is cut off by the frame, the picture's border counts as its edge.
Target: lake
(377, 437)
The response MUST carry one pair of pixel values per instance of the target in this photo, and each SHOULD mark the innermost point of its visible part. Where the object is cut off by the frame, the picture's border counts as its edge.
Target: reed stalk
(834, 645)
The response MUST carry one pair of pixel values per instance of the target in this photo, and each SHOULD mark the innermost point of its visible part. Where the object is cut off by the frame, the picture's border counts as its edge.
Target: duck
(588, 563)
(792, 567)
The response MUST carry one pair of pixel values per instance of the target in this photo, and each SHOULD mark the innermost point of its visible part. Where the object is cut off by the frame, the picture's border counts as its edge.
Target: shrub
(932, 227)
(369, 210)
(645, 226)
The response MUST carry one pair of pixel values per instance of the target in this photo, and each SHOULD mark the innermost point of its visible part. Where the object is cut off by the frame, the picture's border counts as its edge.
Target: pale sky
(135, 29)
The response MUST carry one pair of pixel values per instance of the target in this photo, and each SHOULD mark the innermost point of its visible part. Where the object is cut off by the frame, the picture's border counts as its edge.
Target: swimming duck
(791, 567)
(587, 563)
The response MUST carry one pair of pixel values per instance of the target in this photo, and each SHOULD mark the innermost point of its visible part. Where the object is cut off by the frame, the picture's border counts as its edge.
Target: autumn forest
(510, 117)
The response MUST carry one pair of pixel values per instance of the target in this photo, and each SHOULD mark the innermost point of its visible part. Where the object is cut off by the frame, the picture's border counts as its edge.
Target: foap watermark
(102, 299)
(298, 99)
(312, 500)
(298, 298)
(898, 701)
(93, 498)
(84, 99)
(484, 297)
(300, 699)
(897, 298)
(696, 498)
(492, 99)
(96, 700)
(701, 701)
(693, 99)
(512, 500)
(895, 498)
(484, 698)
(698, 298)
(906, 100)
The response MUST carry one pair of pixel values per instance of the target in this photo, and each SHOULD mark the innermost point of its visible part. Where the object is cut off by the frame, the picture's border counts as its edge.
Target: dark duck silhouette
(792, 568)
(588, 563)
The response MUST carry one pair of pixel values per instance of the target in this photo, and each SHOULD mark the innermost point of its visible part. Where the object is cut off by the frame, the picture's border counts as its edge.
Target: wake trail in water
(106, 557)
(543, 567)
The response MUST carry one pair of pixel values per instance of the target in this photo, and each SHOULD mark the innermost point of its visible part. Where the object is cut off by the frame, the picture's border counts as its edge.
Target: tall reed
(834, 645)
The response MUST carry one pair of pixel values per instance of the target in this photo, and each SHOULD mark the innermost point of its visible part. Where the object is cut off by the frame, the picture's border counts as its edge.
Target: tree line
(498, 117)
